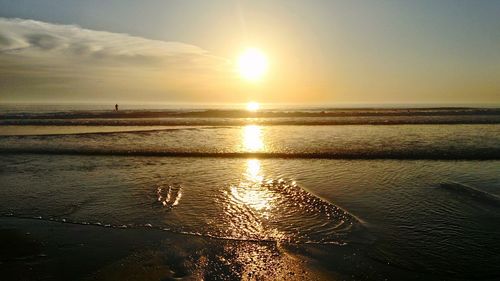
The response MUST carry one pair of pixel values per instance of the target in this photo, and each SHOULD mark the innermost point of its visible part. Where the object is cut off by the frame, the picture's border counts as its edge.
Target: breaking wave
(416, 154)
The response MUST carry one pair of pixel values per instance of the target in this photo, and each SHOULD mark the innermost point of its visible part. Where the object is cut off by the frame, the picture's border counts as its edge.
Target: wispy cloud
(35, 38)
(36, 56)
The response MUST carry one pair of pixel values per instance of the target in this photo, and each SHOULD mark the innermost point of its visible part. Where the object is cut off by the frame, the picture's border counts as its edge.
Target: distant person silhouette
(116, 107)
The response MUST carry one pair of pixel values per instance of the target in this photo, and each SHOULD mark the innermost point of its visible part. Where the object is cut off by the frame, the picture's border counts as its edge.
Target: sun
(252, 64)
(253, 106)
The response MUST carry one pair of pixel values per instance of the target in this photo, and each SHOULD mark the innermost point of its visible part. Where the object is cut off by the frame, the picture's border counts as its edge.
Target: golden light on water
(253, 171)
(250, 191)
(252, 138)
(252, 64)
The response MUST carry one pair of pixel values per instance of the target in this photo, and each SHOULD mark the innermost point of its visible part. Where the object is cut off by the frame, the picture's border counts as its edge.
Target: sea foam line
(158, 228)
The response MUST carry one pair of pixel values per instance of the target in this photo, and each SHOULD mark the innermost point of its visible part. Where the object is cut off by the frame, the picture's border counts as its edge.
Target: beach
(42, 250)
(95, 201)
(249, 140)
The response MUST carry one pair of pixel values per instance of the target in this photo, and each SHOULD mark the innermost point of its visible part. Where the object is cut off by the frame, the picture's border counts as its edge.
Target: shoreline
(36, 249)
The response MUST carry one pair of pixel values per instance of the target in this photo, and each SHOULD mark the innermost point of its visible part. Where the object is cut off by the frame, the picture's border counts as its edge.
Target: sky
(319, 52)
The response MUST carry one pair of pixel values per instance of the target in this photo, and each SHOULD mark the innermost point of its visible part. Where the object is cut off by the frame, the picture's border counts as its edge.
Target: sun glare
(253, 106)
(252, 138)
(252, 64)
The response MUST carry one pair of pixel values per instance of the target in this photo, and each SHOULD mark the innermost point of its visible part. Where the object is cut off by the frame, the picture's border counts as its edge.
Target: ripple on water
(280, 210)
(169, 195)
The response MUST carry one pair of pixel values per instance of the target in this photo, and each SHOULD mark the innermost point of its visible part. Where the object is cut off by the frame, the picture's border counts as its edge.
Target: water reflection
(260, 207)
(252, 138)
(250, 191)
(169, 195)
(253, 171)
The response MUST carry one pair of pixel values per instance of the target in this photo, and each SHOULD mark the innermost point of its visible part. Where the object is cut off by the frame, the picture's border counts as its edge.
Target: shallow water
(348, 141)
(397, 209)
(376, 191)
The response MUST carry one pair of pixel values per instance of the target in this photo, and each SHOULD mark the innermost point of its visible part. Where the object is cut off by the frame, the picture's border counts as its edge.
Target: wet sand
(43, 250)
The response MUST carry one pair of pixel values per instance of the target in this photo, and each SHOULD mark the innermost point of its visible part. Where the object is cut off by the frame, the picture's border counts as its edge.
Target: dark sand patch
(63, 251)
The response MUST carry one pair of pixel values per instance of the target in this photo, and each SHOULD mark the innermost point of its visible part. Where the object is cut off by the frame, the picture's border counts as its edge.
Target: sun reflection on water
(250, 191)
(260, 207)
(252, 138)
(252, 205)
(253, 171)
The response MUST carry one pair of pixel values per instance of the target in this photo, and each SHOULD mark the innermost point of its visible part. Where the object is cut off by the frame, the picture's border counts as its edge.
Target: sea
(367, 193)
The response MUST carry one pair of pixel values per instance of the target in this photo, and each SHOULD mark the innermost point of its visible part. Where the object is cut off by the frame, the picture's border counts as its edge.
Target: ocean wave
(258, 120)
(212, 117)
(265, 113)
(471, 192)
(420, 154)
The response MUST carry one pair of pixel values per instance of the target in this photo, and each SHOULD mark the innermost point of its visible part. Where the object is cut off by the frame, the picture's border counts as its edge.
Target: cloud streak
(35, 38)
(37, 56)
